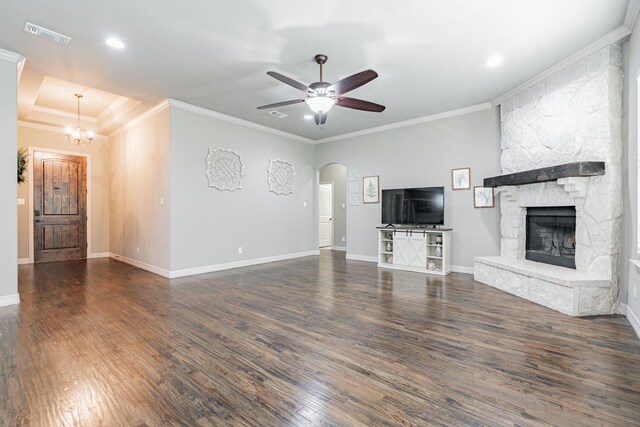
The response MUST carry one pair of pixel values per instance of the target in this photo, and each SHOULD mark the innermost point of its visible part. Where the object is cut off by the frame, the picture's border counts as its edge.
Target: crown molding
(235, 120)
(142, 117)
(7, 55)
(632, 14)
(55, 129)
(65, 114)
(618, 35)
(405, 123)
(21, 68)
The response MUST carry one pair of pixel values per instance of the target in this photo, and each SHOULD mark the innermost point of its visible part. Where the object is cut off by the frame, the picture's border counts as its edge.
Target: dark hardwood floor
(312, 341)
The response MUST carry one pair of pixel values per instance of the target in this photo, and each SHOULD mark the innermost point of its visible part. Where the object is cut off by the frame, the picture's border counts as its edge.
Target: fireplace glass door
(551, 235)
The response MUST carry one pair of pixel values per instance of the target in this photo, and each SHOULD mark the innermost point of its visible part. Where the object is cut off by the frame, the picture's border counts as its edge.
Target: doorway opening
(332, 207)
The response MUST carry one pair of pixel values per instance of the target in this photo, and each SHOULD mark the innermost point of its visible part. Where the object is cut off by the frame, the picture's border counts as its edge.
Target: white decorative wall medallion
(225, 169)
(280, 176)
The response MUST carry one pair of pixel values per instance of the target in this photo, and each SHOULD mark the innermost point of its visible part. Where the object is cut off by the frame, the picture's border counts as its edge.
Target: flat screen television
(413, 206)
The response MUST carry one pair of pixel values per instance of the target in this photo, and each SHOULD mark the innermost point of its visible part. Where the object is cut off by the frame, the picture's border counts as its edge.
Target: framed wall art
(371, 189)
(483, 197)
(461, 179)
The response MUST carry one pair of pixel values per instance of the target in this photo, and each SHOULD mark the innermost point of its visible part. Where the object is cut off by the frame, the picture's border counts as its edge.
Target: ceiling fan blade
(352, 82)
(359, 104)
(286, 80)
(281, 104)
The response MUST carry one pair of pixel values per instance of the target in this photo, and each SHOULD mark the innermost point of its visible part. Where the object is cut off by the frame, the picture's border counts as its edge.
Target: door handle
(37, 220)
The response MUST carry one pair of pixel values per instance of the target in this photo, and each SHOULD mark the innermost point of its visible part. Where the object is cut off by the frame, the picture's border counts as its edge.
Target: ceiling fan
(321, 96)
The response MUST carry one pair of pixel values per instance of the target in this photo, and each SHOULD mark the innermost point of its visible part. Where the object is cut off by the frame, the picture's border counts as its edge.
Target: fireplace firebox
(551, 235)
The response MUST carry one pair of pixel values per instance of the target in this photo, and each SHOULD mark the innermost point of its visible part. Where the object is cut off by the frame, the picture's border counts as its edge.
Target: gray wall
(629, 273)
(208, 225)
(138, 178)
(337, 174)
(8, 193)
(423, 155)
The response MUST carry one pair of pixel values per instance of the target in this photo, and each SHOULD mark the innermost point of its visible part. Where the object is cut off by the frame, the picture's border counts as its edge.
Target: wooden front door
(60, 207)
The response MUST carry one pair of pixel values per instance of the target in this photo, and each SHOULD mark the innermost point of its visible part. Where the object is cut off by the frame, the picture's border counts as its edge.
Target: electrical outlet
(344, 239)
(239, 249)
(138, 249)
(304, 205)
(635, 288)
(162, 200)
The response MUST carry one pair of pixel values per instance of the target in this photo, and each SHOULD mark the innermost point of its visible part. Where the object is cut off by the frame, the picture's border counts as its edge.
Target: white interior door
(326, 215)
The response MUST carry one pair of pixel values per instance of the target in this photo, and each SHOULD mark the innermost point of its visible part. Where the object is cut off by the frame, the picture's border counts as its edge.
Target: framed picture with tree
(461, 179)
(370, 189)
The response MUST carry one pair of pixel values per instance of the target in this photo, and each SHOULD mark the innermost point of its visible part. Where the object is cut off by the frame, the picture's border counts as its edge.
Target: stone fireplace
(551, 235)
(560, 219)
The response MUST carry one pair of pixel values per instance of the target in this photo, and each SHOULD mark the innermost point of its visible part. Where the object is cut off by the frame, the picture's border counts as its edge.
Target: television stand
(389, 225)
(423, 250)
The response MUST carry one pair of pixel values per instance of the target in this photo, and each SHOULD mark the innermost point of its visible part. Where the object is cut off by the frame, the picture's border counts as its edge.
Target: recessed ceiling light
(308, 116)
(494, 61)
(114, 43)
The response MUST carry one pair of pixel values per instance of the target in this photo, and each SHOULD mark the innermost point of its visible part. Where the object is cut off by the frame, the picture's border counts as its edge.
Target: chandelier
(77, 135)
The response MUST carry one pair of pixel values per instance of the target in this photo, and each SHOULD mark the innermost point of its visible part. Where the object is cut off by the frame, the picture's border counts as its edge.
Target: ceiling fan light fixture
(320, 104)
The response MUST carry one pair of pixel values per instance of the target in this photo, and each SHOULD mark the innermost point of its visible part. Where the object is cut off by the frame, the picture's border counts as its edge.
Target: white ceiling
(430, 55)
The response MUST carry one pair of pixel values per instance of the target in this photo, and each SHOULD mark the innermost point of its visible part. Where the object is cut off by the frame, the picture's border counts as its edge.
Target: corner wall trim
(23, 261)
(235, 120)
(9, 300)
(634, 320)
(148, 267)
(237, 264)
(365, 258)
(462, 269)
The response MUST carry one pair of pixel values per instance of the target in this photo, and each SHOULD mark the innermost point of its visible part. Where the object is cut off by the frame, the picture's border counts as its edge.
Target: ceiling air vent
(278, 114)
(39, 31)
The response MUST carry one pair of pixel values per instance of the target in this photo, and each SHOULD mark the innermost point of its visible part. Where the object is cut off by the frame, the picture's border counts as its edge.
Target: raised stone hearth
(560, 288)
(571, 118)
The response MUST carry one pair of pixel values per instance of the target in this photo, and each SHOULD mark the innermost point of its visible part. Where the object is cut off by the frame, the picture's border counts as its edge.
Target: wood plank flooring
(312, 341)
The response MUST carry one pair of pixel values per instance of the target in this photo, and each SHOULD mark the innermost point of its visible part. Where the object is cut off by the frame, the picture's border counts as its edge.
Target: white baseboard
(99, 255)
(238, 264)
(339, 248)
(633, 319)
(364, 258)
(462, 269)
(9, 300)
(23, 261)
(152, 268)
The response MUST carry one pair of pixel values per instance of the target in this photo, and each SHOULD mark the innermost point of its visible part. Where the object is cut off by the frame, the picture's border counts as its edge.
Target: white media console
(423, 250)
